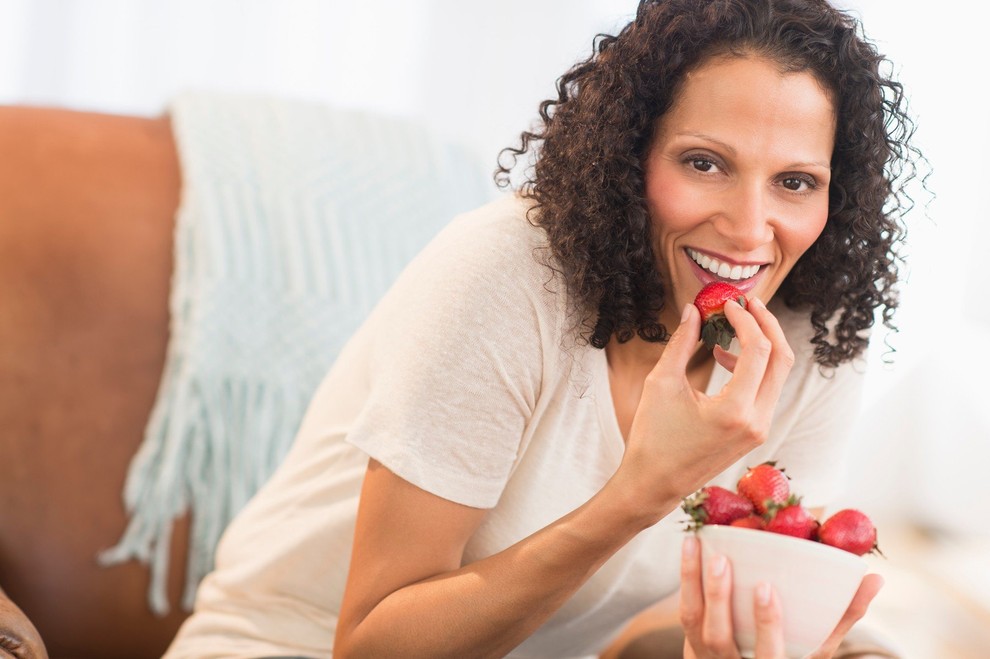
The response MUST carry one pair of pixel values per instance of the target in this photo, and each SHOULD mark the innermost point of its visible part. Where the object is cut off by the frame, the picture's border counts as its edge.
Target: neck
(635, 355)
(635, 358)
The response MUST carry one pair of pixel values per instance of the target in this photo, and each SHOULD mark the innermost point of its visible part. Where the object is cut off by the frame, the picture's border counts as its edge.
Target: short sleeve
(457, 359)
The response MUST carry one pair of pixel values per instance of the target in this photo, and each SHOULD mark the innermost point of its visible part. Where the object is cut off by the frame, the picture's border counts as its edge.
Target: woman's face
(737, 178)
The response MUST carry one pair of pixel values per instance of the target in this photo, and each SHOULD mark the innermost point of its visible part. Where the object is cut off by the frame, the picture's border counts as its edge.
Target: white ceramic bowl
(814, 582)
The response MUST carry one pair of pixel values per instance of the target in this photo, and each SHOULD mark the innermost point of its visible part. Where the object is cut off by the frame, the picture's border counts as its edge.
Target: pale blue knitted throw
(294, 219)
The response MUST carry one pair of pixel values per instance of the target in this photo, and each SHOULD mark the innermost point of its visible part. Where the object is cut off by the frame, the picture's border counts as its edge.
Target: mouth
(710, 269)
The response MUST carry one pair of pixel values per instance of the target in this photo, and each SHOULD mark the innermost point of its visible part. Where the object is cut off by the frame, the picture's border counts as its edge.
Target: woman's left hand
(706, 611)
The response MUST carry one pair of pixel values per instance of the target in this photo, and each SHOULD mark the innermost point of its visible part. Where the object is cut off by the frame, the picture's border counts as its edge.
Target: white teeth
(723, 270)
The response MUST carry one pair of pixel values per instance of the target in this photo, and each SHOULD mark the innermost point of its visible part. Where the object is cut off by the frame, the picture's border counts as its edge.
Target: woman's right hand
(681, 438)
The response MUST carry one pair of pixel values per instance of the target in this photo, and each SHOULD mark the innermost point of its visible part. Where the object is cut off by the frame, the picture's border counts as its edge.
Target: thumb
(682, 343)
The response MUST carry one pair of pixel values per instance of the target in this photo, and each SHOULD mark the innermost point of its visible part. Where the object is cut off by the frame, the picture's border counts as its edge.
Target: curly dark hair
(587, 182)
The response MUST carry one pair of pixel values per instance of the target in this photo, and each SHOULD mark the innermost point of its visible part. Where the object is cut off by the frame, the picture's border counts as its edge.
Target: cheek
(674, 206)
(805, 231)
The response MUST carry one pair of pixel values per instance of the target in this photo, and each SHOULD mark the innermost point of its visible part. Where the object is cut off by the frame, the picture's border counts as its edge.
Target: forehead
(752, 100)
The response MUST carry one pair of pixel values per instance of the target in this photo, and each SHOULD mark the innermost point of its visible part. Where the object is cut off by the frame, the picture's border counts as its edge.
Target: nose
(747, 216)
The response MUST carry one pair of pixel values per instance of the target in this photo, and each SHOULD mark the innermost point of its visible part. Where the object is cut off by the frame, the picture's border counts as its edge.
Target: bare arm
(407, 594)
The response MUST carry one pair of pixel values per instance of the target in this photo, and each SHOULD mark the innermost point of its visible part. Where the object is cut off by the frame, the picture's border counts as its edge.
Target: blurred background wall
(475, 72)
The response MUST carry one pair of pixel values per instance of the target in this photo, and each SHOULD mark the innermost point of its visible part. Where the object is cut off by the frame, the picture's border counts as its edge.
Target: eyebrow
(732, 151)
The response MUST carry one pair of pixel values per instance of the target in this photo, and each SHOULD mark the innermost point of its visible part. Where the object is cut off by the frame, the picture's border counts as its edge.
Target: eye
(799, 183)
(702, 164)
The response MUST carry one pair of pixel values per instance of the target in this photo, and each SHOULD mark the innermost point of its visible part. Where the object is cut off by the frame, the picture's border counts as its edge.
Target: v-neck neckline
(608, 418)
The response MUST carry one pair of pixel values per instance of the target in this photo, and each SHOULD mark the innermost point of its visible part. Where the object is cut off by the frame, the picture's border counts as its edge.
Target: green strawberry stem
(717, 330)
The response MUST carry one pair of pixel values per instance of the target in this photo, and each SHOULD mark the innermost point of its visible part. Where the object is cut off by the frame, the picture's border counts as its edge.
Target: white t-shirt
(468, 382)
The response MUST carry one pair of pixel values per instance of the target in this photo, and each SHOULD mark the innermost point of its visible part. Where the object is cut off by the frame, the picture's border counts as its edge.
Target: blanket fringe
(294, 219)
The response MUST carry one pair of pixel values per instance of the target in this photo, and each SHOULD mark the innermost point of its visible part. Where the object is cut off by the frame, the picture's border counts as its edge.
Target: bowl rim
(808, 545)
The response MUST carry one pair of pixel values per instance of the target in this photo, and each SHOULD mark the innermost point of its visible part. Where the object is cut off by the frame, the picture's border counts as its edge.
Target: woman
(494, 464)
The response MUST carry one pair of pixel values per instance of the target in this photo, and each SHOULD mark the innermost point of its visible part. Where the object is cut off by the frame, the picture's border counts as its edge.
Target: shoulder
(482, 281)
(498, 232)
(493, 254)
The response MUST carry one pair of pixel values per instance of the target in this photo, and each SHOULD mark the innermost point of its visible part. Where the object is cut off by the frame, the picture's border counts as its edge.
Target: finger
(682, 344)
(781, 356)
(754, 353)
(769, 623)
(692, 601)
(868, 589)
(716, 630)
(725, 358)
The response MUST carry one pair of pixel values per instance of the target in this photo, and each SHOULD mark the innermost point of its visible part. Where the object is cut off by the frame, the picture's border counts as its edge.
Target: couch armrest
(87, 209)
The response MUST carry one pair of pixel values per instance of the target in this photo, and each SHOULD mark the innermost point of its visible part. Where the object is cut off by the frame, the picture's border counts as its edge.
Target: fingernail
(718, 566)
(690, 547)
(763, 594)
(685, 313)
(758, 303)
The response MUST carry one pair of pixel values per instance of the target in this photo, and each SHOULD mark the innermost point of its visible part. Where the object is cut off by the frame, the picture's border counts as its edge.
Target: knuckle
(857, 610)
(690, 618)
(717, 643)
(762, 347)
(766, 616)
(787, 356)
(654, 380)
(736, 430)
(743, 425)
(713, 589)
(756, 436)
(732, 418)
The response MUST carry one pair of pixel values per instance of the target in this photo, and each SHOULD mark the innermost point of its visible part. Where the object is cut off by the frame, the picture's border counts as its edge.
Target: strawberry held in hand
(850, 530)
(715, 327)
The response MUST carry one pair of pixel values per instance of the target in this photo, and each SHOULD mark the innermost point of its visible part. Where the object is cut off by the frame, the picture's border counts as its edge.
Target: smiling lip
(743, 281)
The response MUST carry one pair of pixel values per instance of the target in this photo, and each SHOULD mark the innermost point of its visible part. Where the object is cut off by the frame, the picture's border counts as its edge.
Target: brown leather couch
(87, 205)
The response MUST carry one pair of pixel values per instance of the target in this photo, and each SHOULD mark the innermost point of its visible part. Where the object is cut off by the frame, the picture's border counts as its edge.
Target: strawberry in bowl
(768, 536)
(716, 505)
(765, 485)
(850, 530)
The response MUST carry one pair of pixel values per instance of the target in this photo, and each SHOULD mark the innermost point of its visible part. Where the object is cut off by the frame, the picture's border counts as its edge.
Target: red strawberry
(764, 485)
(715, 327)
(794, 520)
(750, 522)
(716, 505)
(850, 530)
